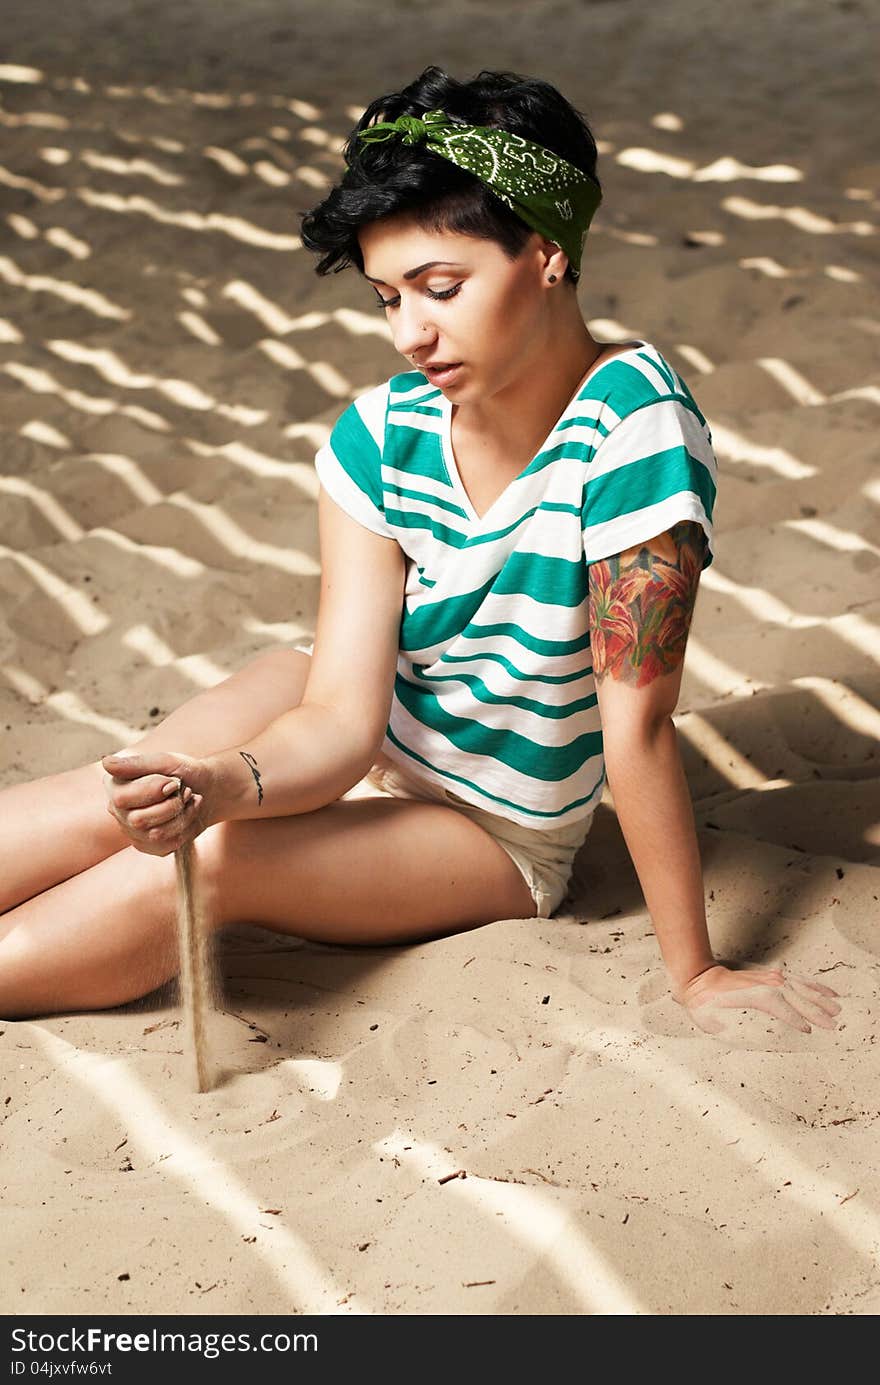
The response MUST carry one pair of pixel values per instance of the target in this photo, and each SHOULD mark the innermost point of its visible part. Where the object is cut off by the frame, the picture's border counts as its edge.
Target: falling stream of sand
(195, 968)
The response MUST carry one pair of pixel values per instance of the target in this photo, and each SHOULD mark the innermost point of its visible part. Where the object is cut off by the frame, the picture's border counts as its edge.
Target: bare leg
(371, 870)
(54, 827)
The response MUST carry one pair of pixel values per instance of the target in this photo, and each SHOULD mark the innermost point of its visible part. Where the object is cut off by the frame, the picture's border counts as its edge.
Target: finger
(154, 848)
(147, 792)
(176, 789)
(125, 765)
(130, 767)
(161, 841)
(813, 1005)
(811, 1012)
(768, 999)
(143, 819)
(775, 1003)
(816, 985)
(821, 995)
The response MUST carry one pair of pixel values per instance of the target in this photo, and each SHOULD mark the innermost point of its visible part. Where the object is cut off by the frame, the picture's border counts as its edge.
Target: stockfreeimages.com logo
(208, 1344)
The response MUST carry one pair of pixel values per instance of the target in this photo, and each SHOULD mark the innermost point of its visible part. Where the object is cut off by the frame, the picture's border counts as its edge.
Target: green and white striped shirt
(494, 696)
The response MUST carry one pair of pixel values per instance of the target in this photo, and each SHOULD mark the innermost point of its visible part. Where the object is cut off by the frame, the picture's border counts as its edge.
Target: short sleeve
(655, 467)
(349, 465)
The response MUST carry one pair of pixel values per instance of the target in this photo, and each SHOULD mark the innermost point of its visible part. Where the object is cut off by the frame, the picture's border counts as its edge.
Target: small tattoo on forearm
(251, 762)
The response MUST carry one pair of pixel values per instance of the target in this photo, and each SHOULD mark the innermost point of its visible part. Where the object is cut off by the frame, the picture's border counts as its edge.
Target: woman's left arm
(641, 602)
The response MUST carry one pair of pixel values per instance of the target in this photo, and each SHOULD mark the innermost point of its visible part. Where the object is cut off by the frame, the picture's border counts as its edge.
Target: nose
(410, 333)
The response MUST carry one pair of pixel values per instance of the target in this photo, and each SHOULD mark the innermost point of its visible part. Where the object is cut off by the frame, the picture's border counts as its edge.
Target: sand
(169, 362)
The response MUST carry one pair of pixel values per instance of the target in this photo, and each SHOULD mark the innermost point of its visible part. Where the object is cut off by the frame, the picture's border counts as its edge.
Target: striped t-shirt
(494, 696)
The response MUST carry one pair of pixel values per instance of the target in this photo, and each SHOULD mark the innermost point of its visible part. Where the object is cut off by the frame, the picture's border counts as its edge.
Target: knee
(290, 665)
(281, 672)
(285, 658)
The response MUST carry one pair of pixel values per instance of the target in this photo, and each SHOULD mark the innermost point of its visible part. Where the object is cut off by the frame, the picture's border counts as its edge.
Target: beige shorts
(544, 858)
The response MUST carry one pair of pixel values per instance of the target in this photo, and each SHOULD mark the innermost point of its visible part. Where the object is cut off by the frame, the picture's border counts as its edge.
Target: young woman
(512, 531)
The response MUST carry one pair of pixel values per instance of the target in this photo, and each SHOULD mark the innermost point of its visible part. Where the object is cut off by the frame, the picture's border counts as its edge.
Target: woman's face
(493, 317)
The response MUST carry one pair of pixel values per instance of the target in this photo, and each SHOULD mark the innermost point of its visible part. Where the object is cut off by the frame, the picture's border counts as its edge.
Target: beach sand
(169, 363)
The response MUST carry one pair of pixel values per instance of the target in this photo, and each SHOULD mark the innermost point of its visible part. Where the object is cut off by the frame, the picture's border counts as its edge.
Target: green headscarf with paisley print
(543, 189)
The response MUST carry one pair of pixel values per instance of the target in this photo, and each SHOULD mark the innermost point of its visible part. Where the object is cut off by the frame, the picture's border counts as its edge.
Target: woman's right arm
(312, 754)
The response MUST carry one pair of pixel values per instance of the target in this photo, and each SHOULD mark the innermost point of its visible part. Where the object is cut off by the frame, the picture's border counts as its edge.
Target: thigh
(371, 870)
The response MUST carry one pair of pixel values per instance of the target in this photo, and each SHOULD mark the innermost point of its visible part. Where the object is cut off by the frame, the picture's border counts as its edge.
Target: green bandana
(543, 189)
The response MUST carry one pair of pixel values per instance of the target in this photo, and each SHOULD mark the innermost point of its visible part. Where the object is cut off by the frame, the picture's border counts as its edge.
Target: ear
(552, 258)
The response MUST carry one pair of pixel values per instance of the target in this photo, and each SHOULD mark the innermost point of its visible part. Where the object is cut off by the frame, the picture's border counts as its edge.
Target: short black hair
(386, 177)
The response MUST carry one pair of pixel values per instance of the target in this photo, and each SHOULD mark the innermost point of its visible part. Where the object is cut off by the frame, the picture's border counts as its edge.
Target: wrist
(234, 789)
(688, 983)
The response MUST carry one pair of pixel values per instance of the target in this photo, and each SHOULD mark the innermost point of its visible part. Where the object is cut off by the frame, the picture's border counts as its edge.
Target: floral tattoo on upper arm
(641, 602)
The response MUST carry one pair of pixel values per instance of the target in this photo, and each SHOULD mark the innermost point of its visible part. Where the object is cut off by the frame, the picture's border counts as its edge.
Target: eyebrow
(419, 269)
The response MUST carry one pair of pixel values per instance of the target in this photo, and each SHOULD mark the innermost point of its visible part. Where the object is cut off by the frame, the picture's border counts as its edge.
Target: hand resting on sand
(159, 799)
(787, 995)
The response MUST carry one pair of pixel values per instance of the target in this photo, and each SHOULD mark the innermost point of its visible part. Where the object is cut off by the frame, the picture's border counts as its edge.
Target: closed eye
(393, 302)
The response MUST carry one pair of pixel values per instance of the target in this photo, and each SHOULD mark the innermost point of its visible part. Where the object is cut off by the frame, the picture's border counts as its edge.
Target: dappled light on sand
(303, 1282)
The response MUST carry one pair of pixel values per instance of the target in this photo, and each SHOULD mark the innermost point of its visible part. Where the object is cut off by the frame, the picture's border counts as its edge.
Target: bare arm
(641, 605)
(318, 750)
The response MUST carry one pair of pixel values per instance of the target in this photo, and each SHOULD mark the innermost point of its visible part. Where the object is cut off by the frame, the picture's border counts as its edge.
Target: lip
(444, 376)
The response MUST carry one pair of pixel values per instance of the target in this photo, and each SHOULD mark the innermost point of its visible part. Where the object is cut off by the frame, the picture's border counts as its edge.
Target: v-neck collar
(446, 436)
